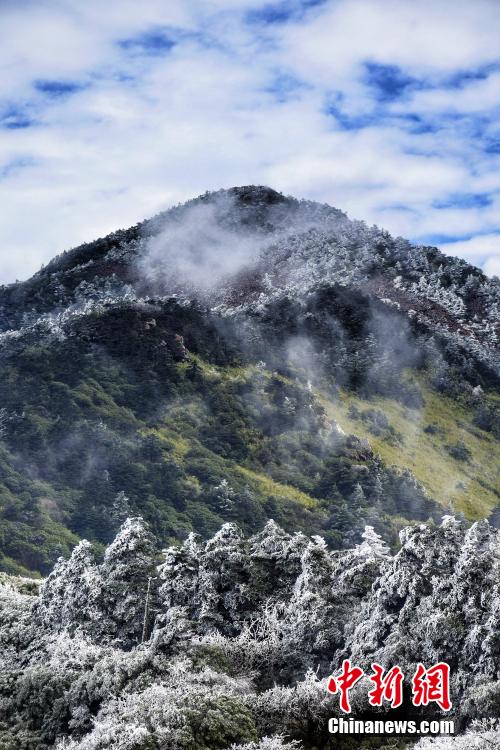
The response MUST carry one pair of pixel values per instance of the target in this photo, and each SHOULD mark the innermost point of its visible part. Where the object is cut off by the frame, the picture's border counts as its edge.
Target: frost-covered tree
(120, 509)
(269, 743)
(482, 735)
(246, 633)
(225, 496)
(128, 568)
(373, 546)
(70, 598)
(358, 498)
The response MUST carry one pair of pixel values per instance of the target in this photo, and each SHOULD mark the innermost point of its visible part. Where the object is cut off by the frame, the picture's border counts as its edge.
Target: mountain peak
(257, 194)
(245, 247)
(253, 194)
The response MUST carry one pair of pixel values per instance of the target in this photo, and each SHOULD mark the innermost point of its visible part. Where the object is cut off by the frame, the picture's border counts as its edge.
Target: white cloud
(483, 245)
(483, 250)
(433, 36)
(148, 130)
(476, 96)
(492, 266)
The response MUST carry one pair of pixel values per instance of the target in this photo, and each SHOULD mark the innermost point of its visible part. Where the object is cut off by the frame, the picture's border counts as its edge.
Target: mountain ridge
(460, 300)
(245, 356)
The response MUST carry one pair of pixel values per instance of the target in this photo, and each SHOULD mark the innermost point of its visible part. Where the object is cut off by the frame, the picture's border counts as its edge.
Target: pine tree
(129, 563)
(120, 510)
(221, 579)
(358, 498)
(373, 545)
(378, 490)
(70, 597)
(225, 496)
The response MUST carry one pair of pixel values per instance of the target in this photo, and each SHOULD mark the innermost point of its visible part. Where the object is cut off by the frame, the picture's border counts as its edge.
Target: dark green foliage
(459, 451)
(95, 420)
(216, 722)
(120, 400)
(487, 417)
(101, 412)
(378, 424)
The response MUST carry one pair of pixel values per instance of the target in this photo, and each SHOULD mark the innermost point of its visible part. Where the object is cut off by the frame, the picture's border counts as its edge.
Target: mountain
(241, 357)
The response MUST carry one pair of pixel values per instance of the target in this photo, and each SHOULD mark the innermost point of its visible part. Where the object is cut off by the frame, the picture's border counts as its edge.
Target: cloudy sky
(111, 110)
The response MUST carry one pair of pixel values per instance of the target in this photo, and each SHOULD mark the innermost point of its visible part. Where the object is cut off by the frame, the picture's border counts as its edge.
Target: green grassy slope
(120, 419)
(472, 486)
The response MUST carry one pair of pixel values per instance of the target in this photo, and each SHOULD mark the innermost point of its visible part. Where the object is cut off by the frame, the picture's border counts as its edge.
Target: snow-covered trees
(244, 633)
(438, 600)
(373, 546)
(108, 601)
(70, 595)
(482, 735)
(127, 572)
(268, 743)
(185, 710)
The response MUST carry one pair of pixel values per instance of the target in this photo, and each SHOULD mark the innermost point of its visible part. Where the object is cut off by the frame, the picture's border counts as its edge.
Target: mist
(199, 250)
(234, 241)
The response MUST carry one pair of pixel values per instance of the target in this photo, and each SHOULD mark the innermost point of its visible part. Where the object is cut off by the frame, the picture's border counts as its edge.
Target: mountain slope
(241, 357)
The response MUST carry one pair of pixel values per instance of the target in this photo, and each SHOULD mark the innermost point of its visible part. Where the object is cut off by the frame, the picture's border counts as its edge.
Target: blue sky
(109, 112)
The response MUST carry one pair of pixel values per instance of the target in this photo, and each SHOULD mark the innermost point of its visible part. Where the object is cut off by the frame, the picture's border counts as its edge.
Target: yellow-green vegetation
(178, 448)
(91, 394)
(269, 487)
(214, 372)
(468, 486)
(472, 487)
(175, 444)
(189, 437)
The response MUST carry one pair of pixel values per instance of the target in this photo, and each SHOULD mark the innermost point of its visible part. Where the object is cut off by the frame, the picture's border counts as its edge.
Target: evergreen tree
(358, 498)
(129, 563)
(70, 597)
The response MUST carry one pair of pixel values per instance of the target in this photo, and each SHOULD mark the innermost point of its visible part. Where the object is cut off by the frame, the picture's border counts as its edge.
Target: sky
(113, 110)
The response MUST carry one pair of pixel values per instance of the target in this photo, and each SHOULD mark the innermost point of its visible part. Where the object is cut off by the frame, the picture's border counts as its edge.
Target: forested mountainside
(231, 644)
(245, 356)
